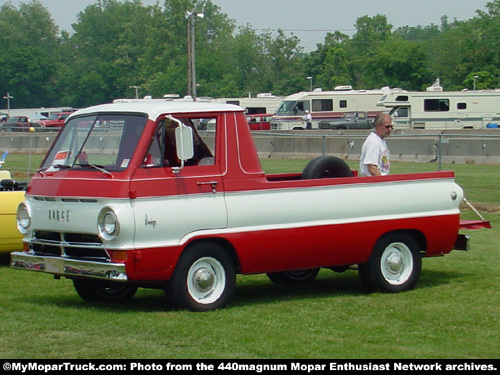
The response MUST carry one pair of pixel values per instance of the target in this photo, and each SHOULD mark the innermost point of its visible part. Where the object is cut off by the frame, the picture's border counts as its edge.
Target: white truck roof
(154, 108)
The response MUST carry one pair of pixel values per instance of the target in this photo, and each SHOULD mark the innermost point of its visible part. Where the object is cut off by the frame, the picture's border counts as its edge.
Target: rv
(438, 109)
(326, 105)
(262, 103)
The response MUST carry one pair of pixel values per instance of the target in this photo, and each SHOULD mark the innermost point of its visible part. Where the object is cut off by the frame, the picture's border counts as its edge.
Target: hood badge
(58, 215)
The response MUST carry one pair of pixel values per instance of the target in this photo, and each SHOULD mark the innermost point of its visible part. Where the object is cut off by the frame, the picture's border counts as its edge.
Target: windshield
(58, 116)
(98, 141)
(15, 119)
(285, 108)
(399, 112)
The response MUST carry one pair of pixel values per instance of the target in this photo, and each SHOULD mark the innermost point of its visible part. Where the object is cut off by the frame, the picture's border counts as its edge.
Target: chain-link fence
(431, 151)
(474, 157)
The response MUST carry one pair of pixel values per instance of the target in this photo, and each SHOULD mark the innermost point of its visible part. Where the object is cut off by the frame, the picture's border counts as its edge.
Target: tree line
(116, 45)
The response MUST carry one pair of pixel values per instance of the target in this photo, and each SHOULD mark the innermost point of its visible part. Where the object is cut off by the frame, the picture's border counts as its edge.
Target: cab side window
(162, 151)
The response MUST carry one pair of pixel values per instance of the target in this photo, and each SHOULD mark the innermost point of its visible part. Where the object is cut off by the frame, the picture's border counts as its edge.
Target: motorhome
(326, 105)
(438, 109)
(262, 103)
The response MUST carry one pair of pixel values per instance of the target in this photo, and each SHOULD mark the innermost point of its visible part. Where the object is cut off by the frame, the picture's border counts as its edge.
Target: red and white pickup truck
(55, 120)
(130, 195)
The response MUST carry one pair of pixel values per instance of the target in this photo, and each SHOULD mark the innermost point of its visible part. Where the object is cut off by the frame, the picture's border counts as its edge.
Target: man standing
(374, 153)
(308, 119)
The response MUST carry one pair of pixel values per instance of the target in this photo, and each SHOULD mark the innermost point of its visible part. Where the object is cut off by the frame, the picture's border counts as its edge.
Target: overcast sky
(309, 20)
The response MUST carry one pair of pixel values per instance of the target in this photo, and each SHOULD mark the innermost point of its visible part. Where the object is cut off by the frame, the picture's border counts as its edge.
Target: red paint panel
(287, 249)
(151, 264)
(80, 184)
(332, 245)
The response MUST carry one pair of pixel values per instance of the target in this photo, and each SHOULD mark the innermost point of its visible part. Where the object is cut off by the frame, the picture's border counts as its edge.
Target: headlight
(108, 224)
(23, 217)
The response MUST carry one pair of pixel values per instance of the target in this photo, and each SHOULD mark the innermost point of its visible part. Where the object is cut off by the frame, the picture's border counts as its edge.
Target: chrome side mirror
(184, 143)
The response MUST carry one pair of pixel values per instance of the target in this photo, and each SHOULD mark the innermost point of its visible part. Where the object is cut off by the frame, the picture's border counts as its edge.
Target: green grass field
(453, 312)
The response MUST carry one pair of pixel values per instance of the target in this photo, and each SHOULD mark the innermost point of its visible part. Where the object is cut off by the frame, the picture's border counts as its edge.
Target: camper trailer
(262, 103)
(326, 106)
(438, 109)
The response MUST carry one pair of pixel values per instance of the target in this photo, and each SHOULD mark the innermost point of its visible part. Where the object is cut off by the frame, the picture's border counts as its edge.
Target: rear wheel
(103, 290)
(394, 265)
(293, 276)
(204, 278)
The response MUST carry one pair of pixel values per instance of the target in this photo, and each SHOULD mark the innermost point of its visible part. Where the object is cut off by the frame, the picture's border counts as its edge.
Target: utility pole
(136, 90)
(191, 53)
(190, 58)
(8, 97)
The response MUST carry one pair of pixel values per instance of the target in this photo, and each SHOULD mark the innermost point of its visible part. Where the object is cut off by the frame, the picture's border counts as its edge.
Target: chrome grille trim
(83, 246)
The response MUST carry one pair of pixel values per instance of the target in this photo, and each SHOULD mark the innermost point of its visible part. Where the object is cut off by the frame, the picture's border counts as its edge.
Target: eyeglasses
(389, 126)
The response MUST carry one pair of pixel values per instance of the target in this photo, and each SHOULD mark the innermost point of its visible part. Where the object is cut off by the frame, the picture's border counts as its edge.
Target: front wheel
(394, 265)
(103, 290)
(204, 278)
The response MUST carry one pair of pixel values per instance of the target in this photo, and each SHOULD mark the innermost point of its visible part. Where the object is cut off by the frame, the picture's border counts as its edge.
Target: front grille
(81, 246)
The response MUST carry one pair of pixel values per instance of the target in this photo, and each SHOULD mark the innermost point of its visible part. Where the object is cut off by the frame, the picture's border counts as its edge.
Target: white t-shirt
(374, 151)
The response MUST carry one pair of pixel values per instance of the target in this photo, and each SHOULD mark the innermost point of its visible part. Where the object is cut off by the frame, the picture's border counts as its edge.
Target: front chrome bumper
(68, 267)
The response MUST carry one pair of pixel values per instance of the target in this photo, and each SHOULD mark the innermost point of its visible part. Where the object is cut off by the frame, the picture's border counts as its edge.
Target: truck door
(171, 204)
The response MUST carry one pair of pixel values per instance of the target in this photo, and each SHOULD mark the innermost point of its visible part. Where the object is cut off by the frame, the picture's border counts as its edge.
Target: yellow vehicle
(11, 194)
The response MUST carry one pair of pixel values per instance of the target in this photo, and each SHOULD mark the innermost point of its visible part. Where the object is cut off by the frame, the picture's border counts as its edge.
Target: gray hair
(380, 118)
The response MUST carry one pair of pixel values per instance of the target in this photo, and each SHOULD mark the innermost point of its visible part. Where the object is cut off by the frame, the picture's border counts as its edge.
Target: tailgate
(474, 224)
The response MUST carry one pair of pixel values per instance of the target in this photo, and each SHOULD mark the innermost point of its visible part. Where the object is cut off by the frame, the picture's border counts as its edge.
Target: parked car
(259, 121)
(36, 118)
(349, 120)
(55, 120)
(18, 123)
(11, 194)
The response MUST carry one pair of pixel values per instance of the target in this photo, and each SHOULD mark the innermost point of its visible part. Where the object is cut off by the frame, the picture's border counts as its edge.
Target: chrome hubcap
(204, 279)
(395, 262)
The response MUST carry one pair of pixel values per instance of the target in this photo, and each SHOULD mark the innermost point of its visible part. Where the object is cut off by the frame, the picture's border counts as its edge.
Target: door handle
(213, 185)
